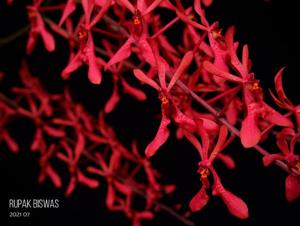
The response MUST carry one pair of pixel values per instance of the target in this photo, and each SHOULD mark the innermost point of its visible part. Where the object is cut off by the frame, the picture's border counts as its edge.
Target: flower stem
(10, 38)
(230, 127)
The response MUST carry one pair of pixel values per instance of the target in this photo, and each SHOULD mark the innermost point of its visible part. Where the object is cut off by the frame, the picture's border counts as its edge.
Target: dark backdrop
(271, 30)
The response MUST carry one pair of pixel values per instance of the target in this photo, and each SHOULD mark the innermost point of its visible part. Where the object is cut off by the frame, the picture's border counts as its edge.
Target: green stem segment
(10, 38)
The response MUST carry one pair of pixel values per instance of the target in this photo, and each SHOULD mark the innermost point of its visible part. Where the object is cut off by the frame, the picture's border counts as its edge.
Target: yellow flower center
(216, 34)
(136, 21)
(253, 86)
(164, 100)
(297, 166)
(82, 34)
(204, 173)
(31, 14)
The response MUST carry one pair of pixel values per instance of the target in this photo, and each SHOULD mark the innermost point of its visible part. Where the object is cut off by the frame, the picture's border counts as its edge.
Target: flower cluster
(88, 147)
(130, 37)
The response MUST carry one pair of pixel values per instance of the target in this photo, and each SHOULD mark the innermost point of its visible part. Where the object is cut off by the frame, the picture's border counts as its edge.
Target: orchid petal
(69, 9)
(145, 79)
(73, 65)
(220, 143)
(250, 134)
(113, 100)
(235, 205)
(199, 200)
(54, 176)
(184, 64)
(146, 51)
(160, 137)
(269, 159)
(122, 54)
(292, 188)
(10, 142)
(232, 52)
(133, 91)
(212, 69)
(89, 182)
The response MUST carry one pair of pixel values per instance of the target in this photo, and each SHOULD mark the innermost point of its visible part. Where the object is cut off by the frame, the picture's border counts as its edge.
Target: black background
(271, 30)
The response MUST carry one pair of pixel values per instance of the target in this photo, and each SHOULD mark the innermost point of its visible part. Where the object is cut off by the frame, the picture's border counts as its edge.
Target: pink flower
(139, 35)
(86, 53)
(257, 109)
(46, 170)
(38, 29)
(5, 114)
(168, 108)
(234, 204)
(292, 183)
(71, 157)
(282, 100)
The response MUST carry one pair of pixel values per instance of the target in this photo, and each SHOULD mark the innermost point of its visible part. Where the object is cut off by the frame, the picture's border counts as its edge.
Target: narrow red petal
(145, 79)
(221, 140)
(113, 100)
(91, 183)
(80, 145)
(110, 196)
(276, 118)
(10, 142)
(232, 52)
(227, 160)
(51, 131)
(133, 91)
(184, 64)
(73, 65)
(279, 86)
(71, 186)
(212, 69)
(94, 72)
(37, 140)
(160, 137)
(48, 40)
(146, 51)
(268, 159)
(69, 9)
(55, 178)
(122, 54)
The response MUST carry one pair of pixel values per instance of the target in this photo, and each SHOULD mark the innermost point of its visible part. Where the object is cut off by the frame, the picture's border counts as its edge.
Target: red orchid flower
(154, 189)
(139, 34)
(257, 109)
(42, 127)
(117, 79)
(292, 183)
(71, 7)
(46, 170)
(5, 113)
(114, 186)
(165, 97)
(234, 204)
(282, 100)
(71, 157)
(38, 28)
(33, 87)
(127, 88)
(86, 53)
(216, 41)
